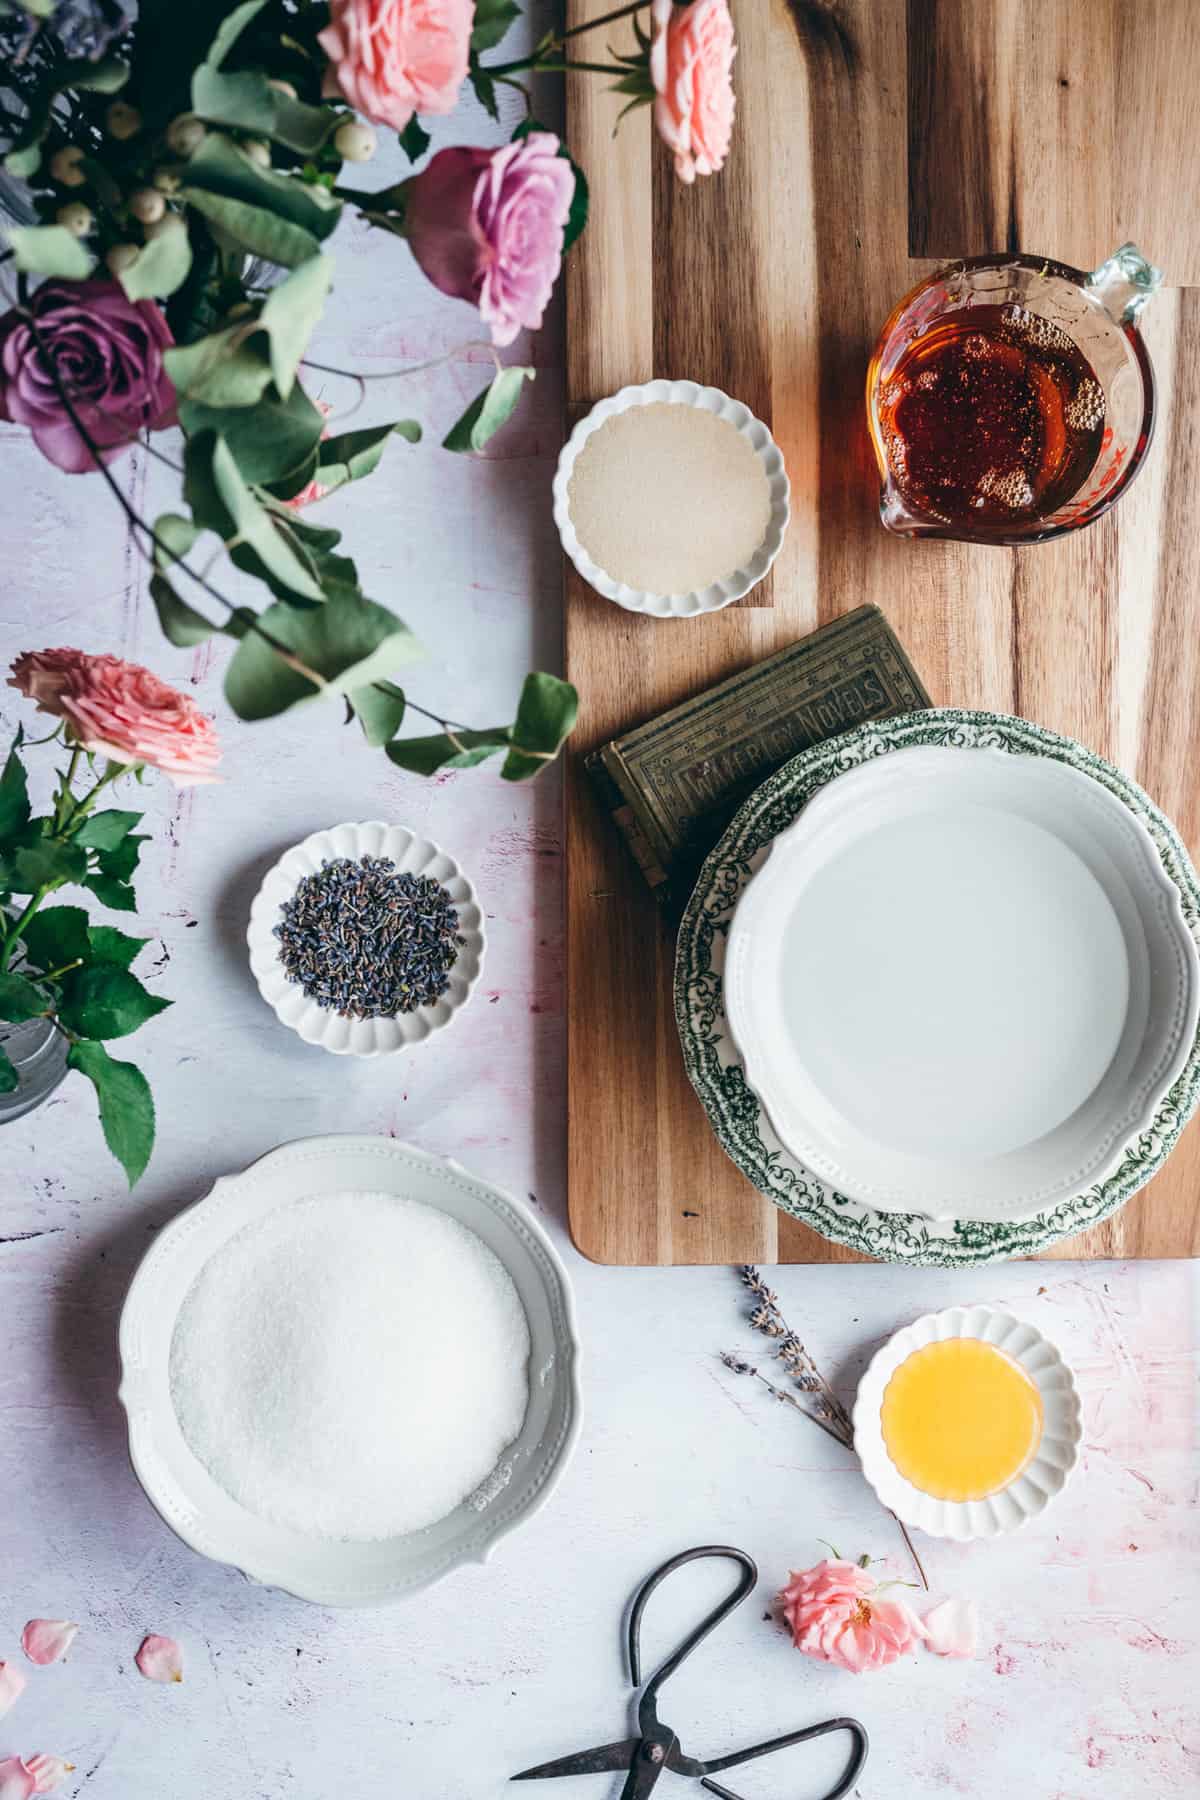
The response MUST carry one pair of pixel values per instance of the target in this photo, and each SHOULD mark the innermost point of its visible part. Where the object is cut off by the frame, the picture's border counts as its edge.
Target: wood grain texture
(874, 139)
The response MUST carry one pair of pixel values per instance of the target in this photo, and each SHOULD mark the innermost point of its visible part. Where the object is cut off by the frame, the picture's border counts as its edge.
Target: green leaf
(350, 642)
(105, 830)
(161, 267)
(578, 214)
(260, 232)
(379, 709)
(489, 411)
(271, 441)
(354, 454)
(426, 755)
(107, 76)
(485, 88)
(9, 1079)
(291, 311)
(231, 29)
(46, 863)
(56, 935)
(119, 895)
(492, 20)
(120, 862)
(108, 945)
(221, 501)
(414, 139)
(546, 713)
(50, 250)
(14, 793)
(220, 170)
(225, 369)
(126, 1105)
(19, 999)
(105, 1001)
(182, 625)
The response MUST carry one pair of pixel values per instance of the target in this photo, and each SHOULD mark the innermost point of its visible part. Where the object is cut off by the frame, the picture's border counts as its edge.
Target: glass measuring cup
(1094, 320)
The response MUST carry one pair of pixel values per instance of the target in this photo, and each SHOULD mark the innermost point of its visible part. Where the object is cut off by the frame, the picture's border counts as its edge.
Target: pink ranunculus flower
(107, 353)
(837, 1613)
(122, 711)
(487, 226)
(394, 58)
(691, 65)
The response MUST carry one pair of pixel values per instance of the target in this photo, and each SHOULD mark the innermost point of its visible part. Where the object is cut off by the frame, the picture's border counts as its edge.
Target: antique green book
(673, 785)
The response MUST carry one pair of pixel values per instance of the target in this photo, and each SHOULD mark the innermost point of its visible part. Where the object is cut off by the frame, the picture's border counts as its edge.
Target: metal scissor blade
(601, 1761)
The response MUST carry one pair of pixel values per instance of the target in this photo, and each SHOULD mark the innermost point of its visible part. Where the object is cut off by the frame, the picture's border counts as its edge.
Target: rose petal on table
(48, 1640)
(952, 1628)
(159, 1659)
(47, 1771)
(12, 1686)
(16, 1780)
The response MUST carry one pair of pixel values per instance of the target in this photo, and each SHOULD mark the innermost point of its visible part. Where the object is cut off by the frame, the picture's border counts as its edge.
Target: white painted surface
(1086, 1686)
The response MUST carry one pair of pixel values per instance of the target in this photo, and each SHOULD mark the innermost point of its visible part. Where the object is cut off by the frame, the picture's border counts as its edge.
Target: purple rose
(107, 352)
(487, 226)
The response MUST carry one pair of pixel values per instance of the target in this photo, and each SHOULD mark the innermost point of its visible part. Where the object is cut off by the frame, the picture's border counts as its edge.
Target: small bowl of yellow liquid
(967, 1423)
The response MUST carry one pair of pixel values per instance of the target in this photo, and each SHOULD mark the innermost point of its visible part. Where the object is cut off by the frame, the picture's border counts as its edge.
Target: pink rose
(394, 58)
(691, 64)
(122, 711)
(487, 226)
(837, 1613)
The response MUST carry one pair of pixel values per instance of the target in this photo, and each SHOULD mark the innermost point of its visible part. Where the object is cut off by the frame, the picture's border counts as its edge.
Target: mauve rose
(487, 226)
(394, 58)
(108, 354)
(691, 63)
(122, 711)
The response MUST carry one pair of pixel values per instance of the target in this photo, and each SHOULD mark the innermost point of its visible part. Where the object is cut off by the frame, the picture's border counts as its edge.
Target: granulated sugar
(352, 1366)
(667, 498)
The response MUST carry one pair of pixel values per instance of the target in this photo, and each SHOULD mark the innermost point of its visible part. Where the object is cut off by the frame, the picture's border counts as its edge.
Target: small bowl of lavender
(365, 939)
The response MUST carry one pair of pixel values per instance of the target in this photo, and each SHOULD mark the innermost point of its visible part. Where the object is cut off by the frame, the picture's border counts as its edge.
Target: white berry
(147, 205)
(258, 152)
(65, 166)
(123, 120)
(120, 257)
(355, 141)
(283, 87)
(186, 134)
(76, 218)
(169, 222)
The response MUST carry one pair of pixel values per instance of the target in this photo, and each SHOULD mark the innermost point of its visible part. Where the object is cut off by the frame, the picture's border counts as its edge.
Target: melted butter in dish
(960, 1419)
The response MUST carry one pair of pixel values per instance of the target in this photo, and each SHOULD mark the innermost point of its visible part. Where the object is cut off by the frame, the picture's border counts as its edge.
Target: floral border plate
(715, 1067)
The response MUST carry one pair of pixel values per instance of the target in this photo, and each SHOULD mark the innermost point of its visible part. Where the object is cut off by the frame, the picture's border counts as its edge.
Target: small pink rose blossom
(394, 58)
(17, 1781)
(952, 1628)
(47, 1771)
(122, 711)
(836, 1612)
(487, 227)
(48, 1640)
(12, 1686)
(691, 62)
(159, 1659)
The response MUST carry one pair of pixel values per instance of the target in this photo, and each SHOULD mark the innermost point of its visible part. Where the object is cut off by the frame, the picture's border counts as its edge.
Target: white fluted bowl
(320, 1025)
(1046, 1473)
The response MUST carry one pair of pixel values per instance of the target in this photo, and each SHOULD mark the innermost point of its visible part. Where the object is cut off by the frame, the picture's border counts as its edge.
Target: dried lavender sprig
(744, 1368)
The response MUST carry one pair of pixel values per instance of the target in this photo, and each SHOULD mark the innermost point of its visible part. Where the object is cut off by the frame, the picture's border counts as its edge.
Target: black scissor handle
(853, 1770)
(746, 1581)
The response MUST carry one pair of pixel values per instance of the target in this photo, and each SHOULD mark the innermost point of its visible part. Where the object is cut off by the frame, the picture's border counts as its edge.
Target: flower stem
(19, 923)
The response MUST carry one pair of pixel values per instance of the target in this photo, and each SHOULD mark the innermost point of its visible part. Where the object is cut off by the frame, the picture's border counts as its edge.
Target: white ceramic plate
(327, 1571)
(318, 1024)
(962, 982)
(1044, 1476)
(718, 593)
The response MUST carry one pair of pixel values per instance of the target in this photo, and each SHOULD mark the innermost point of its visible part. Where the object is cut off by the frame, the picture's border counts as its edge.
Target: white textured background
(1087, 1680)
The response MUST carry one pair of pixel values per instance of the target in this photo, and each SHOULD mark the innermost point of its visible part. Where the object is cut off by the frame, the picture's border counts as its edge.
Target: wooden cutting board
(874, 139)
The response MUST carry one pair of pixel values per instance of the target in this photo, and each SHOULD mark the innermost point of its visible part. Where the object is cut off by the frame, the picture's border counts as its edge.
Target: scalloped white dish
(718, 593)
(1044, 1475)
(317, 1024)
(962, 983)
(328, 1571)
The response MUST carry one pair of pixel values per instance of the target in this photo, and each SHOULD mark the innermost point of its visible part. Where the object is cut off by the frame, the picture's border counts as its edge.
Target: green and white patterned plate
(714, 1065)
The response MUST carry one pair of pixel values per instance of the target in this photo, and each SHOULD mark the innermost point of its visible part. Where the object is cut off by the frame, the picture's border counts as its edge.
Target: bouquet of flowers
(183, 168)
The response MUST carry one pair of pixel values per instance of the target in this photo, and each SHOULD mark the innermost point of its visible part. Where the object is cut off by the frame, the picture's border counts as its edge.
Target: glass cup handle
(1124, 283)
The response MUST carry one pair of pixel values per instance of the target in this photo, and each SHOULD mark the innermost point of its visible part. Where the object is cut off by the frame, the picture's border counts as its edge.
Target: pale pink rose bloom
(47, 1771)
(122, 711)
(487, 226)
(394, 58)
(12, 1686)
(691, 65)
(17, 1782)
(158, 1659)
(836, 1613)
(952, 1628)
(48, 1640)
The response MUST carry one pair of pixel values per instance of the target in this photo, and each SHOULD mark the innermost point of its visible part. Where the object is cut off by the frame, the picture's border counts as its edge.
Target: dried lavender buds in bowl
(366, 938)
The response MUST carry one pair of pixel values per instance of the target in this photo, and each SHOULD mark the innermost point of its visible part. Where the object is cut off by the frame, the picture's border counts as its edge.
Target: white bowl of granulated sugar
(350, 1370)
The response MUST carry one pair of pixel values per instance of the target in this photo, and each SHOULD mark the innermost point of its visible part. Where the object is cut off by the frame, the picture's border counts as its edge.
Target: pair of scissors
(656, 1746)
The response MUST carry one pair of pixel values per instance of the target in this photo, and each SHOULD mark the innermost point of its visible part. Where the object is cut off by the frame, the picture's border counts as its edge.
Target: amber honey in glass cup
(1011, 398)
